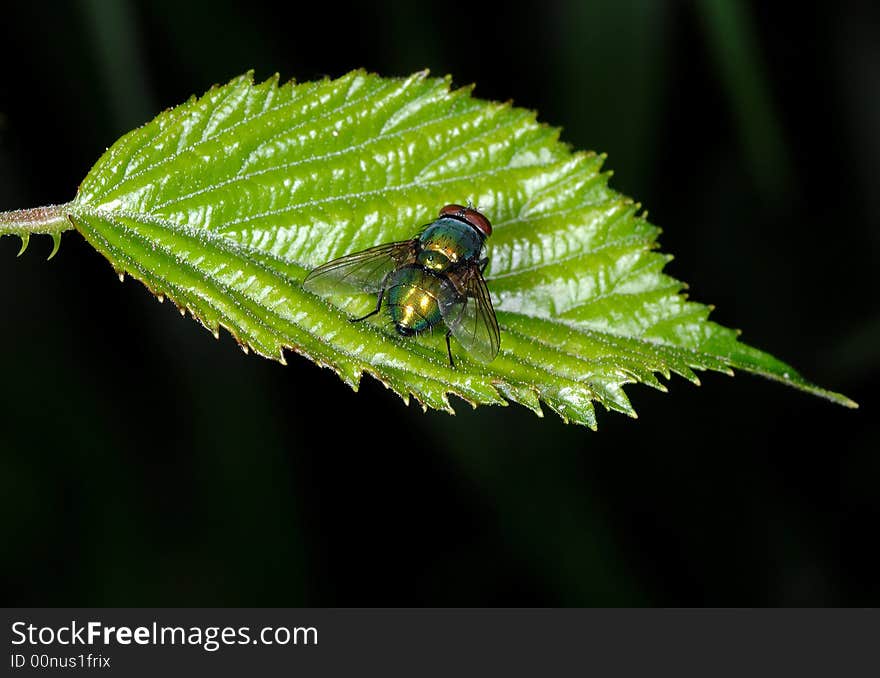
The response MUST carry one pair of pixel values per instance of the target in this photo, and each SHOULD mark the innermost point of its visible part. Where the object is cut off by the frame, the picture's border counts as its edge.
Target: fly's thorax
(434, 260)
(415, 298)
(447, 242)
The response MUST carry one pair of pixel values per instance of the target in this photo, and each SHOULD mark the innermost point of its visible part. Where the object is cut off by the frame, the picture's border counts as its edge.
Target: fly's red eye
(453, 210)
(477, 220)
(470, 215)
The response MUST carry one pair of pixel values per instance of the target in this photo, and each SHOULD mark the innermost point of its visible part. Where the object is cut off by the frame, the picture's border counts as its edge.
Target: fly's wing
(471, 318)
(363, 271)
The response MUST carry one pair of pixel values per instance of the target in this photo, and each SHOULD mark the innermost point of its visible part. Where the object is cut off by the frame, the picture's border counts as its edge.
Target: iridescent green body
(447, 242)
(417, 294)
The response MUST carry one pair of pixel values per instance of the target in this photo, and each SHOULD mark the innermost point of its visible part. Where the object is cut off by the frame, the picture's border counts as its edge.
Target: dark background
(144, 463)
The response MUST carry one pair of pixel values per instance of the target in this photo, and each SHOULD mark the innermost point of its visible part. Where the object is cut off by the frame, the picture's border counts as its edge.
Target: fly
(434, 279)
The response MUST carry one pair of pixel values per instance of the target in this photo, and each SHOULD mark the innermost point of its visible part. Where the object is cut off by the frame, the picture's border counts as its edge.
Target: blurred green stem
(733, 43)
(115, 38)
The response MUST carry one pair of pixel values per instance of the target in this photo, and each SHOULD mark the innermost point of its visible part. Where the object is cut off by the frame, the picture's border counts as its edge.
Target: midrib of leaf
(224, 203)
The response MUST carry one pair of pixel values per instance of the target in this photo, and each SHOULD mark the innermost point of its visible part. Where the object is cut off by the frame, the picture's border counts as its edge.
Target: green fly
(435, 278)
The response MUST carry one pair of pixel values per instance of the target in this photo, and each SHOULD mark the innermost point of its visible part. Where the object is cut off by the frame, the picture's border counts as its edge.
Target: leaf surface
(224, 203)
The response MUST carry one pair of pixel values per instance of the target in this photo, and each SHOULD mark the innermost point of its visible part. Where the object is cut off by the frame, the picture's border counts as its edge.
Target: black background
(144, 463)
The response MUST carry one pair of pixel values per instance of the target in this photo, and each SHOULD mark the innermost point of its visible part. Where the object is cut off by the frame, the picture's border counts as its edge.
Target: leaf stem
(47, 220)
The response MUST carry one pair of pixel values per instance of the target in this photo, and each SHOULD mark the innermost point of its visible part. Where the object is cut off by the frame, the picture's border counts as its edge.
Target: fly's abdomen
(414, 296)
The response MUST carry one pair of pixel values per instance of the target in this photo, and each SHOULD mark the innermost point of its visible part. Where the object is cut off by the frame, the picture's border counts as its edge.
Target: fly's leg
(449, 350)
(482, 263)
(461, 300)
(374, 311)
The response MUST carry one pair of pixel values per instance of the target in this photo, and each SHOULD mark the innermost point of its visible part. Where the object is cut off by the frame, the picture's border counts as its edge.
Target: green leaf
(225, 203)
